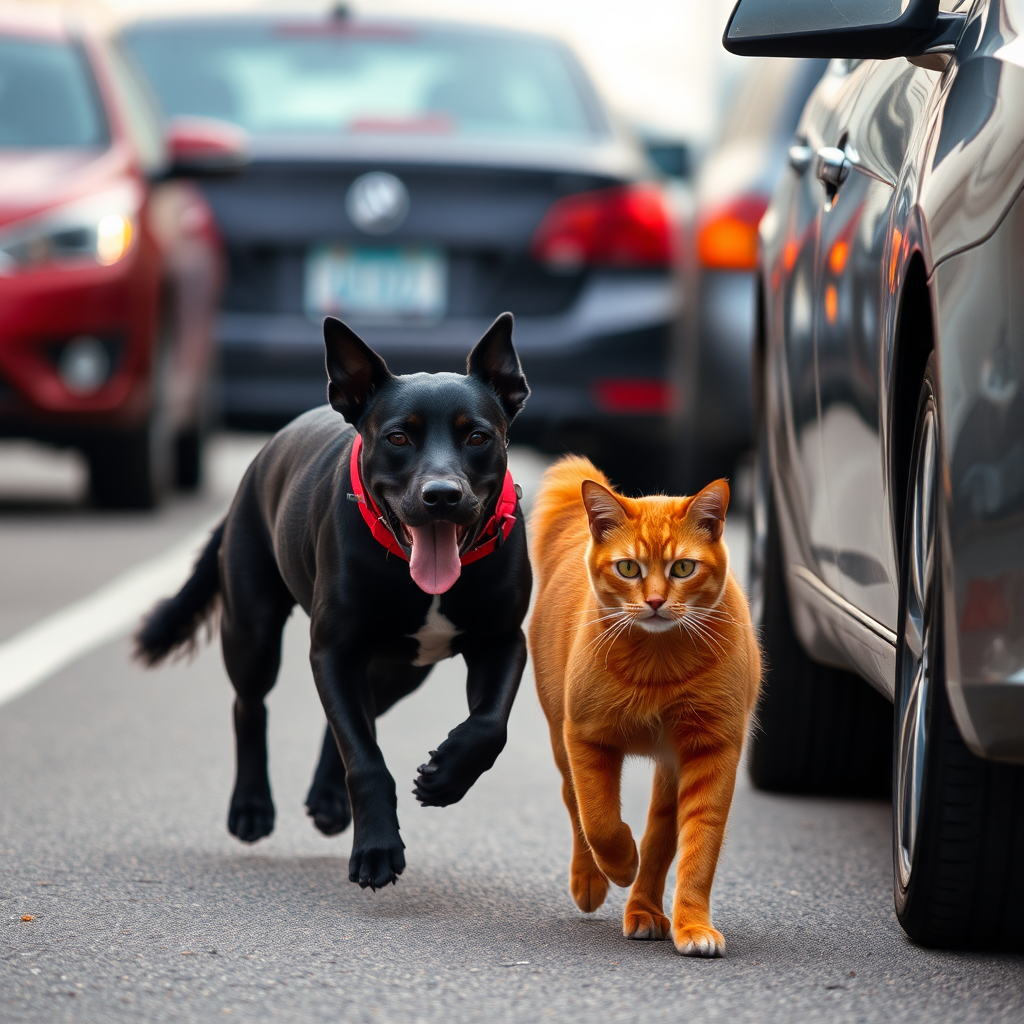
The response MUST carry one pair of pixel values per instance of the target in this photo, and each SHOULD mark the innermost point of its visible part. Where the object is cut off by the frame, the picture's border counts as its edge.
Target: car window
(141, 113)
(755, 108)
(316, 78)
(47, 96)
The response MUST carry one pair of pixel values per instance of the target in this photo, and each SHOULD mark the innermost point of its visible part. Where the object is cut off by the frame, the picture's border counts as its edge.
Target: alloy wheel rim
(916, 661)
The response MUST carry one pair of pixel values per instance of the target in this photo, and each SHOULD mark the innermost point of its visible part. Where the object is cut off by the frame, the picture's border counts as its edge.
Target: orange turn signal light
(727, 237)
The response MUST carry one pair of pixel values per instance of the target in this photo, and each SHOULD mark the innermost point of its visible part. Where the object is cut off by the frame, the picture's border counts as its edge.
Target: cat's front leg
(707, 780)
(596, 776)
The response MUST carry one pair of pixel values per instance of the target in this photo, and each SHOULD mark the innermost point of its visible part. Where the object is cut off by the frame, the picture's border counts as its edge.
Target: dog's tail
(172, 625)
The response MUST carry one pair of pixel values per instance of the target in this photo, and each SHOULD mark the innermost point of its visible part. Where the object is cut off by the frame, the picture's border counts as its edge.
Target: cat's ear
(494, 361)
(355, 371)
(604, 510)
(707, 509)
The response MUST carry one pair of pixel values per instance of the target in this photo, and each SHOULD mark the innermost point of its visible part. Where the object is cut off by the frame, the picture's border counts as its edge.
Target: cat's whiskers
(697, 628)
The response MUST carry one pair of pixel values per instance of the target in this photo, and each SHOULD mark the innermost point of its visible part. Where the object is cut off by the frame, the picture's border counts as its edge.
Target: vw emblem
(377, 202)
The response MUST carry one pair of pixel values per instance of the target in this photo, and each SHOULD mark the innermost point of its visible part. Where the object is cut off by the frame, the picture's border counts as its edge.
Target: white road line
(108, 613)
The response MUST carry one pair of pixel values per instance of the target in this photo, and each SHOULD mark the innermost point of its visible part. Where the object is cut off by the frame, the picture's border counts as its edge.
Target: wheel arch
(914, 341)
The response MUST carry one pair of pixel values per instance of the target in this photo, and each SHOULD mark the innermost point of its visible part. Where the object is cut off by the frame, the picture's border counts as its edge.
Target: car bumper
(981, 366)
(619, 329)
(42, 311)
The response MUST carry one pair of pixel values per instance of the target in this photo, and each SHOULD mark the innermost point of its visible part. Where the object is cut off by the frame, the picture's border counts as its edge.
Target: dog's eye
(398, 439)
(683, 568)
(477, 438)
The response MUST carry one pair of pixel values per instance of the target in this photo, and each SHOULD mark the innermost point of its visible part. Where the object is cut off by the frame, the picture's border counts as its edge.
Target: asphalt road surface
(114, 786)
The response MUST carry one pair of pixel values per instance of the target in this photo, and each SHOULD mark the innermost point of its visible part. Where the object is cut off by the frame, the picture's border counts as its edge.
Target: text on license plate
(404, 282)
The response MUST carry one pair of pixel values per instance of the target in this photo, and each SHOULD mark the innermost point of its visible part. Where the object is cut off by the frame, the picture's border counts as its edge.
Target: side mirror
(671, 156)
(868, 29)
(205, 147)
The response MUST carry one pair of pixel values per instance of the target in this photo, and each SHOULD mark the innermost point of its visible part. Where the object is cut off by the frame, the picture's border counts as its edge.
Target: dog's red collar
(493, 535)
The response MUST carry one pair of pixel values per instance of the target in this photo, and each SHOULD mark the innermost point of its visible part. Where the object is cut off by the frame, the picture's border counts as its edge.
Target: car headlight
(99, 229)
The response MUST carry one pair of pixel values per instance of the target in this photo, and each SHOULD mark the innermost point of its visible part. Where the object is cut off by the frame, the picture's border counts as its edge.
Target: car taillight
(636, 395)
(613, 227)
(727, 235)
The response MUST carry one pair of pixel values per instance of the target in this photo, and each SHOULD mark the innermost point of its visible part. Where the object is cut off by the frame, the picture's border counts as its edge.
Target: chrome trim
(806, 576)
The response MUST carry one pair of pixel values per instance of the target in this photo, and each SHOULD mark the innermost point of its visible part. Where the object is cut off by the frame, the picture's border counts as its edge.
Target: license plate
(381, 283)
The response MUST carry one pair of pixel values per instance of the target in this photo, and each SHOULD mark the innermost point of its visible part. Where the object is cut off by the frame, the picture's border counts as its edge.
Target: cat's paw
(622, 868)
(698, 940)
(642, 924)
(589, 889)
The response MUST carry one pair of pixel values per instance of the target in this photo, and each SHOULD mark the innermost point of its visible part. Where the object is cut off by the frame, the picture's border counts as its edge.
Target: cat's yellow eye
(683, 568)
(628, 568)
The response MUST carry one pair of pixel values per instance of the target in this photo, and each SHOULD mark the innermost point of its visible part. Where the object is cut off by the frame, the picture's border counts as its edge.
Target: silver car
(889, 523)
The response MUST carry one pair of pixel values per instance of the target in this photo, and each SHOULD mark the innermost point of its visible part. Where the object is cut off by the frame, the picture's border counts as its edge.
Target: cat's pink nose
(655, 602)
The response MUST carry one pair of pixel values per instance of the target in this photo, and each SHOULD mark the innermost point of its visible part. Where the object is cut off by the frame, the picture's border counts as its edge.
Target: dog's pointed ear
(707, 509)
(604, 510)
(355, 371)
(494, 361)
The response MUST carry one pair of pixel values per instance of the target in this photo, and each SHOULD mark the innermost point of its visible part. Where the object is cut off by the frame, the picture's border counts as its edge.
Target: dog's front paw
(330, 809)
(251, 818)
(468, 752)
(373, 867)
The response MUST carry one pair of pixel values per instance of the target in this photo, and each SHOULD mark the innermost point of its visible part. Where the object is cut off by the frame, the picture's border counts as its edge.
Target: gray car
(889, 518)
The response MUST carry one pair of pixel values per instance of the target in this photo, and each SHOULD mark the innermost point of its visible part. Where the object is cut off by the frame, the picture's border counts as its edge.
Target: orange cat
(642, 644)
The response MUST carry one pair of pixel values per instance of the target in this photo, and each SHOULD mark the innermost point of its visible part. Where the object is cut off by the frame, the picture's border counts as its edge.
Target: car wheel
(188, 458)
(132, 469)
(635, 469)
(819, 729)
(958, 820)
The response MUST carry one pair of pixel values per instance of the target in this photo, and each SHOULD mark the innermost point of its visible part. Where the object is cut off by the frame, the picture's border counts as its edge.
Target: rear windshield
(312, 78)
(47, 96)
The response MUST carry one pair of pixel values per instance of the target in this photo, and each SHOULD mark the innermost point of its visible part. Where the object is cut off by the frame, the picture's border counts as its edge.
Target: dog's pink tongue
(435, 564)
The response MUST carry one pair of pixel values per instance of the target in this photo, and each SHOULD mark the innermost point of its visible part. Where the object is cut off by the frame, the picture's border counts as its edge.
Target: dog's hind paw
(251, 819)
(375, 867)
(330, 810)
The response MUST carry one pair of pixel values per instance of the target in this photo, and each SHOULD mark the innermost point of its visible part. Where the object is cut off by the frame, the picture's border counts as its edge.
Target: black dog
(305, 530)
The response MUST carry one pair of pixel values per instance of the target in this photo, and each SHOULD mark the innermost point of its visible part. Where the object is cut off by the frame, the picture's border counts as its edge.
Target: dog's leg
(256, 605)
(495, 667)
(342, 679)
(327, 802)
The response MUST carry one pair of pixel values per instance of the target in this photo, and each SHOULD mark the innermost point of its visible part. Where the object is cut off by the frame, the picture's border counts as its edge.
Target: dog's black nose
(441, 493)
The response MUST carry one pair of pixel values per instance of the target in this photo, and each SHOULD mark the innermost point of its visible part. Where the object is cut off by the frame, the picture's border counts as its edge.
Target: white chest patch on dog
(434, 636)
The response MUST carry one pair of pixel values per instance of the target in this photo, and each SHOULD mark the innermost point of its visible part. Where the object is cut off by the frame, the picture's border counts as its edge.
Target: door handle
(833, 169)
(800, 157)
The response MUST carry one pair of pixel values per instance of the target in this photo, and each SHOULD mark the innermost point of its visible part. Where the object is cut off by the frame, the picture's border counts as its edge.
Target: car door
(855, 295)
(791, 367)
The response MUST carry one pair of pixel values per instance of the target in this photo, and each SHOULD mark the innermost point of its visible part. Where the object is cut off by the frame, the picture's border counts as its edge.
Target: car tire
(819, 729)
(129, 470)
(132, 469)
(636, 470)
(958, 820)
(189, 449)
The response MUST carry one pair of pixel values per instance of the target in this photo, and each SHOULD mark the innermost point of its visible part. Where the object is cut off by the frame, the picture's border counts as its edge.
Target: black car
(417, 179)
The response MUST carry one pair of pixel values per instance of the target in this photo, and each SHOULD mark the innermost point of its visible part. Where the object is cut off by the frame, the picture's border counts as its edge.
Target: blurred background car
(417, 179)
(888, 526)
(712, 359)
(109, 267)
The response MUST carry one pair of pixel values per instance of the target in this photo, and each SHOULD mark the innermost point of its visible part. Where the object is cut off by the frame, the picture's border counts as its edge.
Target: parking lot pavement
(113, 795)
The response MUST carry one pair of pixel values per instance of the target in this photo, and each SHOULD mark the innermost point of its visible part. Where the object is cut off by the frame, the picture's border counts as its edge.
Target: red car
(110, 263)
